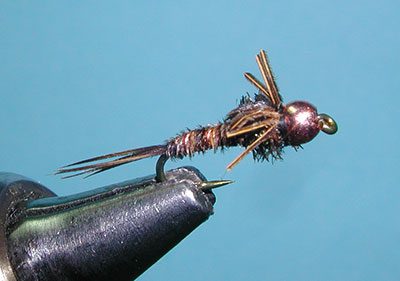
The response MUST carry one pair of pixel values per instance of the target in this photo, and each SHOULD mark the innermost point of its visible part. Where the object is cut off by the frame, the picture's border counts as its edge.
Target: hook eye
(327, 124)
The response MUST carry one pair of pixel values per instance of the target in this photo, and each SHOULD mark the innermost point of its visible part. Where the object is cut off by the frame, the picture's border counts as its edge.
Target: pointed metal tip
(207, 185)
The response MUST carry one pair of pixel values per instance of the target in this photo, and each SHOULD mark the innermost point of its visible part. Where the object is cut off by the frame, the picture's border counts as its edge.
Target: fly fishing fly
(263, 126)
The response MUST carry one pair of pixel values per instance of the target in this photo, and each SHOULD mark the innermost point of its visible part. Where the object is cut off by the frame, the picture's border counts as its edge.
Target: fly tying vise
(263, 126)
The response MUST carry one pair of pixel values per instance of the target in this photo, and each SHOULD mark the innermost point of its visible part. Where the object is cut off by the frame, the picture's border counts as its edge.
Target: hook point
(207, 185)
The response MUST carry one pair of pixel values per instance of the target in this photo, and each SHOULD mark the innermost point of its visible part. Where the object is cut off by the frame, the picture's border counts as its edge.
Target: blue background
(79, 79)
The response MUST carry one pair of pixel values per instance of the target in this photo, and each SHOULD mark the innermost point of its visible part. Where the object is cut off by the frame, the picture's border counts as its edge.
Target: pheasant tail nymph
(263, 125)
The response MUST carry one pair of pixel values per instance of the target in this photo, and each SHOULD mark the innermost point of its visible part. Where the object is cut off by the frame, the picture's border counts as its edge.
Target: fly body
(263, 126)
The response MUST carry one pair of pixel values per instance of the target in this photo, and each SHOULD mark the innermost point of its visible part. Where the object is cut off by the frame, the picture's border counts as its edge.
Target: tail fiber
(118, 158)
